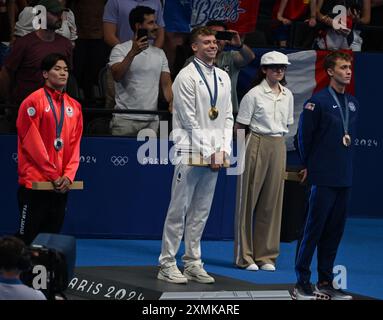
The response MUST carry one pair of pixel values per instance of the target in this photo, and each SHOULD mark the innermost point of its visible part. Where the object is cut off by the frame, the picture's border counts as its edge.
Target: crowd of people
(87, 33)
(202, 100)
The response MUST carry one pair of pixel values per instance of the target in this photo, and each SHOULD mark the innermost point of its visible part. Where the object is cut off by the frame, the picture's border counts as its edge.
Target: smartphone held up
(142, 33)
(224, 35)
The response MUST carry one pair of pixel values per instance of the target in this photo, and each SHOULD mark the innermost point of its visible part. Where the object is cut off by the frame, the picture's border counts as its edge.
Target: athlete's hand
(303, 175)
(216, 160)
(62, 184)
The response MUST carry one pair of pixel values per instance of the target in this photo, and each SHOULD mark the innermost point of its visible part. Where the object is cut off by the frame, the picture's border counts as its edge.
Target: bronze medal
(213, 113)
(346, 140)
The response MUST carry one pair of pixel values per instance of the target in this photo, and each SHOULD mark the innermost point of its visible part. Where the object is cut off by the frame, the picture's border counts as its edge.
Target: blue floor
(360, 252)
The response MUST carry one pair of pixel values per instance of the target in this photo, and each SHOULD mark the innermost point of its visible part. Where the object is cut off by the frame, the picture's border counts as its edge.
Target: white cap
(274, 57)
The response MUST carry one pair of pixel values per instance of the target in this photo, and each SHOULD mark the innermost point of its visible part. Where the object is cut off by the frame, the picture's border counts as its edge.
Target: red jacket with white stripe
(38, 160)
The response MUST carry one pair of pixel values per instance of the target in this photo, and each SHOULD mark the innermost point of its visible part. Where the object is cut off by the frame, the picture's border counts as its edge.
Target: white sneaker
(268, 267)
(252, 267)
(171, 274)
(196, 272)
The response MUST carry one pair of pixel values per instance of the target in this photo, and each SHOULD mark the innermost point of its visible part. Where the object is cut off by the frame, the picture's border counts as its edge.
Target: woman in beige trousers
(267, 110)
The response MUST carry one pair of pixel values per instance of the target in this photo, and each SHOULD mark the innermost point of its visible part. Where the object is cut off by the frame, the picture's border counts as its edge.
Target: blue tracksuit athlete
(329, 168)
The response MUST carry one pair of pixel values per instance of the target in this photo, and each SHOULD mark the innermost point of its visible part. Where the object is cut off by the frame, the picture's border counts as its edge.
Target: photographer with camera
(339, 31)
(14, 259)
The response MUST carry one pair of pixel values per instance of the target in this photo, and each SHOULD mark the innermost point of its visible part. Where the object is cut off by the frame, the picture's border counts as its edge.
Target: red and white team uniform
(38, 160)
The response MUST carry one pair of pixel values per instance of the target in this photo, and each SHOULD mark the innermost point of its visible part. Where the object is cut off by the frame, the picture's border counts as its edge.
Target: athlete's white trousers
(192, 195)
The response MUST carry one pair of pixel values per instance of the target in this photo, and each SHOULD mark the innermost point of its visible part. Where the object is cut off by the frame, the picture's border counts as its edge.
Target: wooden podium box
(47, 185)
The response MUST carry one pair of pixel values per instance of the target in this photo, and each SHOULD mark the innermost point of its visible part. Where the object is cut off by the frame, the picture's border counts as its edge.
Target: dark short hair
(51, 59)
(137, 15)
(200, 31)
(219, 23)
(330, 59)
(12, 250)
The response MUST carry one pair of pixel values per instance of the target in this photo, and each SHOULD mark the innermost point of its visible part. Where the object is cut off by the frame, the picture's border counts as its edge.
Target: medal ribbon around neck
(345, 117)
(213, 112)
(59, 124)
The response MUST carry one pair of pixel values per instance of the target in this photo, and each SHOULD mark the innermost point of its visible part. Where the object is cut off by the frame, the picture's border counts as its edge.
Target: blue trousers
(324, 228)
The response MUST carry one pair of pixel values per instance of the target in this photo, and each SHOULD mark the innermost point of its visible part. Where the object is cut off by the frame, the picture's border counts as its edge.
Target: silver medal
(58, 144)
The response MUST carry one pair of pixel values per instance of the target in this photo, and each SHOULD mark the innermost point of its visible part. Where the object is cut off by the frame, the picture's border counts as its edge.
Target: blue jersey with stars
(320, 134)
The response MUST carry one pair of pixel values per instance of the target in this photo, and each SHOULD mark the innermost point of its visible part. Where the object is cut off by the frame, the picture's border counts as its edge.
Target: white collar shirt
(265, 112)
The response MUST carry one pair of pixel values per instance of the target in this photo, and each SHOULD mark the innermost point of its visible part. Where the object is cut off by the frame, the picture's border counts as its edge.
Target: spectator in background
(138, 69)
(7, 21)
(24, 24)
(117, 30)
(22, 66)
(230, 61)
(177, 49)
(91, 52)
(8, 12)
(68, 28)
(285, 12)
(337, 34)
(14, 259)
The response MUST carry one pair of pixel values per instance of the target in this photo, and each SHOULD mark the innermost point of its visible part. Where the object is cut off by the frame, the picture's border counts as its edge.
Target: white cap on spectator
(274, 57)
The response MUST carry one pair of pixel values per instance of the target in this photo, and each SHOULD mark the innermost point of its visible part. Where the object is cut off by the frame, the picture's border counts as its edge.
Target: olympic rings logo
(119, 161)
(15, 157)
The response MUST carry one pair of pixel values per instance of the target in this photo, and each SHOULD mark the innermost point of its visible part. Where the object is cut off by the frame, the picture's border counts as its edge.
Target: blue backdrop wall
(123, 198)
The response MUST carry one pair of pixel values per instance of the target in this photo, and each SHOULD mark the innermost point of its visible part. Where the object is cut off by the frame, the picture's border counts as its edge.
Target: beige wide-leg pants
(259, 201)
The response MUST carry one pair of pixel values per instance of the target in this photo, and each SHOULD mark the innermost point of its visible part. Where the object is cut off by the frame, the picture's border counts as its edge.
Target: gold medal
(213, 113)
(346, 140)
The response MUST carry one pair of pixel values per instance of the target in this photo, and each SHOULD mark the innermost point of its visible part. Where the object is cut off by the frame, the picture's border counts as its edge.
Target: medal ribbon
(345, 118)
(59, 125)
(213, 99)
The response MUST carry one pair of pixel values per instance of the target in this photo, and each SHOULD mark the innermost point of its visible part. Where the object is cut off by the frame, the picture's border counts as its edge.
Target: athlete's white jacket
(193, 130)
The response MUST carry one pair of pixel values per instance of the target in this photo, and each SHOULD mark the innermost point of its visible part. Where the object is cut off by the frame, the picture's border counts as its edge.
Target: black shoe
(330, 292)
(303, 292)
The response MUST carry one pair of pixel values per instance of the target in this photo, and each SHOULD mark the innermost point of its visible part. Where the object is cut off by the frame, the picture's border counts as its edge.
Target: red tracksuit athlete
(49, 127)
(38, 159)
